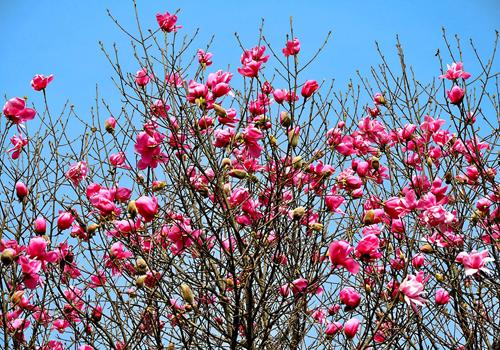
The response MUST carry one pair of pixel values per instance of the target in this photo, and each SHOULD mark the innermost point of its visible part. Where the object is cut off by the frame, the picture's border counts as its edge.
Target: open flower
(474, 261)
(412, 288)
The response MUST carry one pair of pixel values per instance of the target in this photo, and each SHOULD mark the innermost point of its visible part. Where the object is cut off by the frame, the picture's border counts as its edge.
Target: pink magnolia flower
(299, 285)
(18, 142)
(474, 261)
(40, 226)
(147, 207)
(339, 252)
(77, 172)
(159, 108)
(292, 47)
(456, 95)
(118, 160)
(148, 146)
(442, 297)
(110, 124)
(455, 71)
(65, 220)
(379, 99)
(118, 251)
(16, 111)
(21, 190)
(204, 58)
(218, 83)
(167, 22)
(309, 87)
(333, 328)
(350, 297)
(351, 327)
(368, 246)
(37, 248)
(252, 60)
(30, 269)
(142, 77)
(412, 288)
(182, 236)
(40, 82)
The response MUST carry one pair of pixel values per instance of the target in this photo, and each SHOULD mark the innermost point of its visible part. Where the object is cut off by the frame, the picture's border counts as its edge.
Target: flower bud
(293, 136)
(369, 218)
(110, 125)
(439, 277)
(317, 226)
(379, 99)
(226, 162)
(7, 256)
(21, 190)
(298, 213)
(187, 294)
(426, 248)
(17, 297)
(375, 163)
(238, 173)
(297, 162)
(159, 185)
(139, 281)
(40, 226)
(132, 209)
(91, 229)
(171, 346)
(285, 119)
(141, 266)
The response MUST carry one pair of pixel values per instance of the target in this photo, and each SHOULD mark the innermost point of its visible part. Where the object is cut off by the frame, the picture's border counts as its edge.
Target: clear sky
(61, 36)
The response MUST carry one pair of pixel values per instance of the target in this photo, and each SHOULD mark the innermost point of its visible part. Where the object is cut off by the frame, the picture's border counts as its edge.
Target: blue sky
(61, 37)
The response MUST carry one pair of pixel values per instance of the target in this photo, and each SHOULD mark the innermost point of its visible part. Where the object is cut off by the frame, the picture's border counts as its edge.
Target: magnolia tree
(280, 215)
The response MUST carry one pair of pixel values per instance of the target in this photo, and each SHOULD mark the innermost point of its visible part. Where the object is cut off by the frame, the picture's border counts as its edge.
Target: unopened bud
(448, 177)
(426, 248)
(171, 346)
(369, 218)
(16, 297)
(132, 209)
(7, 256)
(273, 141)
(285, 119)
(238, 173)
(439, 277)
(293, 136)
(187, 294)
(298, 213)
(91, 229)
(139, 281)
(316, 226)
(110, 125)
(226, 162)
(297, 162)
(141, 266)
(159, 185)
(375, 163)
(221, 112)
(21, 190)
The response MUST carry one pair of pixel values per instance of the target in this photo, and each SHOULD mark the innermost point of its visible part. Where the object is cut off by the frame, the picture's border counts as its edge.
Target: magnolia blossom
(351, 327)
(412, 288)
(292, 47)
(474, 261)
(16, 111)
(167, 22)
(40, 82)
(309, 88)
(339, 252)
(455, 71)
(77, 172)
(455, 95)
